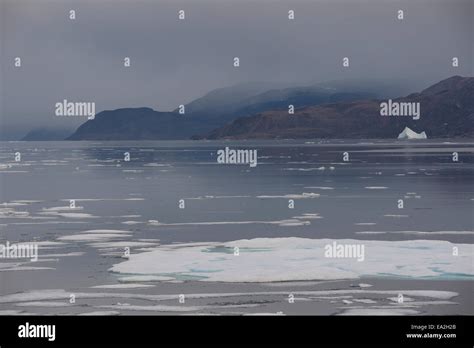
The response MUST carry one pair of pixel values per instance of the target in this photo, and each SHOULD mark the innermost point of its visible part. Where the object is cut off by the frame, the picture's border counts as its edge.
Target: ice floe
(154, 308)
(286, 222)
(428, 233)
(291, 259)
(122, 244)
(122, 286)
(215, 197)
(60, 294)
(379, 311)
(310, 216)
(307, 169)
(88, 237)
(144, 279)
(72, 215)
(104, 199)
(44, 304)
(100, 313)
(292, 196)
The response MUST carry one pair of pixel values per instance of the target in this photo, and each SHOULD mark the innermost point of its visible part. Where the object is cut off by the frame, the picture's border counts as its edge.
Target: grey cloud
(174, 62)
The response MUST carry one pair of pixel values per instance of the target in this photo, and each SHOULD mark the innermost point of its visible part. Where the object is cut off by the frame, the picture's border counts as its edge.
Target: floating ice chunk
(104, 199)
(376, 187)
(418, 232)
(307, 169)
(407, 133)
(144, 279)
(124, 244)
(25, 268)
(46, 295)
(69, 215)
(12, 213)
(382, 311)
(264, 314)
(100, 313)
(293, 223)
(361, 285)
(293, 259)
(123, 286)
(308, 216)
(13, 312)
(76, 253)
(157, 165)
(364, 300)
(43, 304)
(106, 231)
(64, 208)
(293, 196)
(133, 222)
(92, 237)
(215, 197)
(287, 222)
(12, 204)
(364, 285)
(424, 303)
(155, 308)
(405, 299)
(52, 222)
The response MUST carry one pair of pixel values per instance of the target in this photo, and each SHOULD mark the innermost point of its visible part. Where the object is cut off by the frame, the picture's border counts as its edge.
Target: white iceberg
(409, 134)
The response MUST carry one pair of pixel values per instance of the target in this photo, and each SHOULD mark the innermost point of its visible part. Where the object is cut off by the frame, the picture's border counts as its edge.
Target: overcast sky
(174, 62)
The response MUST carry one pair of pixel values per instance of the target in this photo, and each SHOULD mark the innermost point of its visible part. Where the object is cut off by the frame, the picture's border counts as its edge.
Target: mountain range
(217, 108)
(260, 110)
(446, 110)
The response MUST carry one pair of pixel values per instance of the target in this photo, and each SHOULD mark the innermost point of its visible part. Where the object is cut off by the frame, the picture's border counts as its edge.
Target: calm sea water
(135, 204)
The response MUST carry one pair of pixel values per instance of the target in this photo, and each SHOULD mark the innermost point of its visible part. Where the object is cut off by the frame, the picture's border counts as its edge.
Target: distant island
(251, 112)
